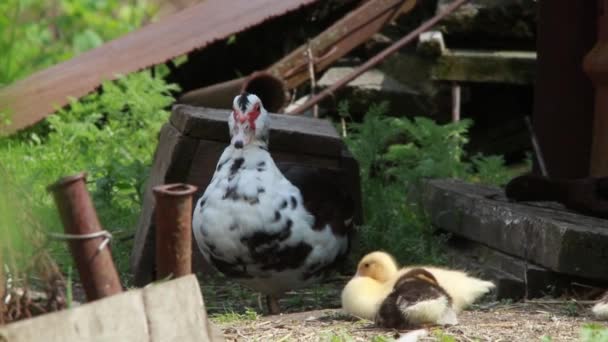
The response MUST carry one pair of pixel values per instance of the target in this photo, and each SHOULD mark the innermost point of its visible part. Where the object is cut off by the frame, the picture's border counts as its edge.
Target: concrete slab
(546, 235)
(168, 311)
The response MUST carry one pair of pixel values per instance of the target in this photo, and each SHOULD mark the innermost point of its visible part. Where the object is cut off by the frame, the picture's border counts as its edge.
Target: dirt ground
(515, 322)
(314, 315)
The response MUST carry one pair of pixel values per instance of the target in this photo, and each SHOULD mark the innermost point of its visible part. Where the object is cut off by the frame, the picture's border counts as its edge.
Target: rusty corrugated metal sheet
(32, 99)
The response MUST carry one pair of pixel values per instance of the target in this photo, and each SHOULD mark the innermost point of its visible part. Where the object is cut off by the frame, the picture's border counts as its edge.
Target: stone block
(121, 317)
(546, 235)
(167, 311)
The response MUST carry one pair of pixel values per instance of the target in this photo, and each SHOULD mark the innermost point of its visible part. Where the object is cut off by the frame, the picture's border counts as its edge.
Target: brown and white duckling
(410, 296)
(416, 299)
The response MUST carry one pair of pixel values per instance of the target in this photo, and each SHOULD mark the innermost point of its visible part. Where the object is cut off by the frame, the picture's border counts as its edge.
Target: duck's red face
(247, 121)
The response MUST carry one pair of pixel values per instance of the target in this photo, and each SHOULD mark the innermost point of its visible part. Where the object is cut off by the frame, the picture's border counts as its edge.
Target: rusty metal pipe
(95, 265)
(173, 215)
(379, 57)
(270, 89)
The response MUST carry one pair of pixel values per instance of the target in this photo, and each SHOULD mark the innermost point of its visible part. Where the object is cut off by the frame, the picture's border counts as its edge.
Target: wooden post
(563, 99)
(173, 230)
(87, 241)
(596, 66)
(455, 102)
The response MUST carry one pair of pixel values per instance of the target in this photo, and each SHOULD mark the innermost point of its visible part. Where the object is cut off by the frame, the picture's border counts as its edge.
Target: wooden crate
(190, 145)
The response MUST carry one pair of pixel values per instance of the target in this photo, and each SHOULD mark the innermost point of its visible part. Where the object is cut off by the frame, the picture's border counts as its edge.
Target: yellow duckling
(600, 309)
(403, 298)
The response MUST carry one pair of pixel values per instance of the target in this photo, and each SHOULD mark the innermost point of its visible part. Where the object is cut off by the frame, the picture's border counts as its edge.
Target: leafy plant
(233, 317)
(443, 336)
(111, 135)
(35, 34)
(594, 332)
(395, 155)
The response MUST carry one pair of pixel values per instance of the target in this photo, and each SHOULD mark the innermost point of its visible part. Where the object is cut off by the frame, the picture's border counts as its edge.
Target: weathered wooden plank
(552, 237)
(293, 134)
(563, 93)
(514, 67)
(595, 65)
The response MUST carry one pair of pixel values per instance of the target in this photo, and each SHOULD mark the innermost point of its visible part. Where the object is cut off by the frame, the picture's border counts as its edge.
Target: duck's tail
(600, 310)
(463, 289)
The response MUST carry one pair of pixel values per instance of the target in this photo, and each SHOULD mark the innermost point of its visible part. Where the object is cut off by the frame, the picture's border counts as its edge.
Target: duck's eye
(366, 265)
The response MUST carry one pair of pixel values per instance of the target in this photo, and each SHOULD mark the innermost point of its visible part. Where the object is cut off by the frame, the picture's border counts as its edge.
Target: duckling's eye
(366, 265)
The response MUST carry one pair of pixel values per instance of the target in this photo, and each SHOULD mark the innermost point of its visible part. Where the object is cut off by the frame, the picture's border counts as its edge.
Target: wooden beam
(596, 66)
(563, 99)
(512, 67)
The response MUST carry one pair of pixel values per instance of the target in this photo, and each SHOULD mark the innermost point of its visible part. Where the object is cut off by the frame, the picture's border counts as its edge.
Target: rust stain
(34, 98)
(173, 217)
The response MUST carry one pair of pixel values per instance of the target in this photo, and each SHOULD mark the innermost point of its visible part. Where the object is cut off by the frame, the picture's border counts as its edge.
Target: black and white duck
(271, 230)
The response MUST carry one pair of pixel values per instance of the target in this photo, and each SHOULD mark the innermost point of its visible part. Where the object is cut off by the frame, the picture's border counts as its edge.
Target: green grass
(594, 332)
(234, 317)
(443, 336)
(36, 34)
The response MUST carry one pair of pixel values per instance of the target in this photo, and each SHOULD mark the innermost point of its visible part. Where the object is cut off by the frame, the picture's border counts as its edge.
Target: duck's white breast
(251, 223)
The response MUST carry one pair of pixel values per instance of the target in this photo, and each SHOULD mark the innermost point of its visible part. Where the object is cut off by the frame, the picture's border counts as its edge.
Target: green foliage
(570, 309)
(443, 336)
(594, 332)
(35, 34)
(346, 337)
(111, 135)
(432, 151)
(234, 317)
(395, 155)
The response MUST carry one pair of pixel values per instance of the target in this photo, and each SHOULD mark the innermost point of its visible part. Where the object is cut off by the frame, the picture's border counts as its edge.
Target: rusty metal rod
(539, 153)
(86, 238)
(379, 57)
(173, 216)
